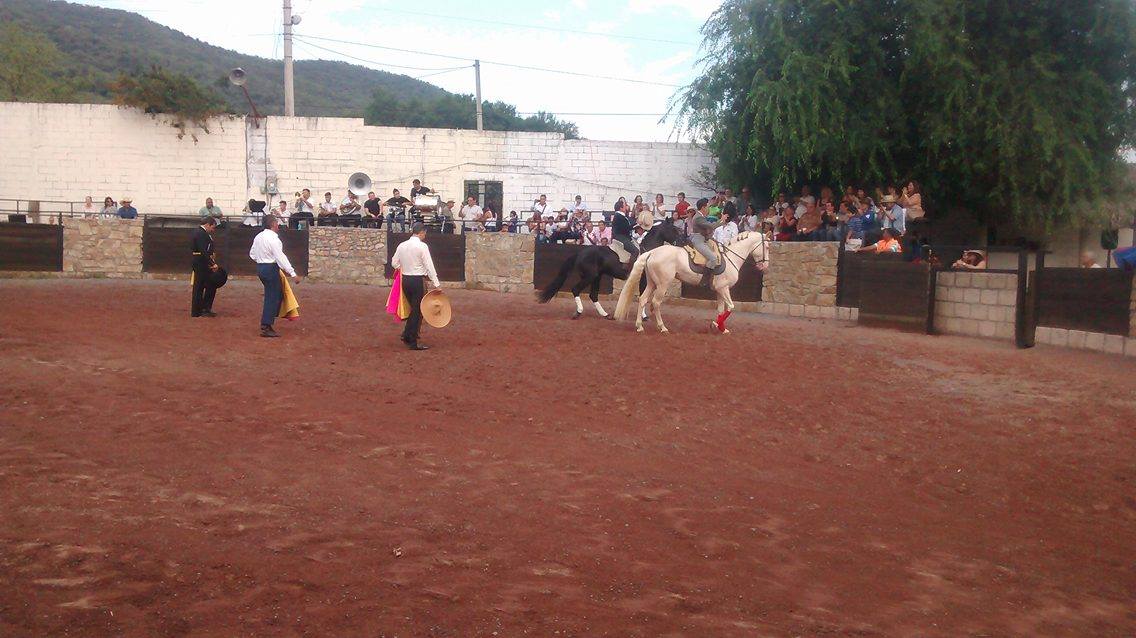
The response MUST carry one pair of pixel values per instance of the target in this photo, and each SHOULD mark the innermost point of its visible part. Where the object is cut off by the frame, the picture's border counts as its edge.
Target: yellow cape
(289, 307)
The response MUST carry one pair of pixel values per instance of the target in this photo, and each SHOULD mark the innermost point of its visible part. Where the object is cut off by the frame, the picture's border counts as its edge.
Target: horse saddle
(698, 262)
(624, 256)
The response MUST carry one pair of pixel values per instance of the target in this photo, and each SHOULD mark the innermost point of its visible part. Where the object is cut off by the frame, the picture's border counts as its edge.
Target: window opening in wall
(487, 193)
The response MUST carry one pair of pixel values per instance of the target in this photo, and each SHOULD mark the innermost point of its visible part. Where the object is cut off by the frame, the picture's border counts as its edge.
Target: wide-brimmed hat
(981, 255)
(125, 199)
(436, 308)
(888, 199)
(218, 277)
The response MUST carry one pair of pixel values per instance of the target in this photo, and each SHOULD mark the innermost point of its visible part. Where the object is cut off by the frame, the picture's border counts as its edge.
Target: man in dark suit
(203, 267)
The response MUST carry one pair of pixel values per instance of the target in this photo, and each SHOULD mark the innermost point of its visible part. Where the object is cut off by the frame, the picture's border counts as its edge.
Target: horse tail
(553, 287)
(623, 308)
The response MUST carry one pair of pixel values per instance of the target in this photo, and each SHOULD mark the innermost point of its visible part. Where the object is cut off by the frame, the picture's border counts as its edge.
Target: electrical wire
(490, 62)
(375, 62)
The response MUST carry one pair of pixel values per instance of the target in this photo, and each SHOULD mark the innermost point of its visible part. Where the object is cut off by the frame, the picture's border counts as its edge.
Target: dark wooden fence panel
(895, 292)
(1090, 299)
(849, 276)
(166, 249)
(748, 288)
(234, 242)
(547, 260)
(447, 251)
(31, 247)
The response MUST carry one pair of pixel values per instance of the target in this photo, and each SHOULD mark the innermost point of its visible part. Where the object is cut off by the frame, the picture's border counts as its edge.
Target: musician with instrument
(397, 215)
(328, 211)
(349, 208)
(417, 189)
(374, 208)
(305, 211)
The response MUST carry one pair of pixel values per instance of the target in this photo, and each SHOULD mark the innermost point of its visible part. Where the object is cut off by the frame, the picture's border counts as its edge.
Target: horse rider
(621, 225)
(702, 229)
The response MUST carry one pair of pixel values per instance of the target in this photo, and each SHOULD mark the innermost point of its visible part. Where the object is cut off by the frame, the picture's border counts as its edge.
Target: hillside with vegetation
(53, 51)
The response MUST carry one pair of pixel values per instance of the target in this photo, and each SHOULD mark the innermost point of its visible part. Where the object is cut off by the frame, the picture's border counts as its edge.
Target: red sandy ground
(531, 475)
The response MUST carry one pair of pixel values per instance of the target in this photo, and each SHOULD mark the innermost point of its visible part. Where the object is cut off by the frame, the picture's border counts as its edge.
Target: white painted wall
(67, 151)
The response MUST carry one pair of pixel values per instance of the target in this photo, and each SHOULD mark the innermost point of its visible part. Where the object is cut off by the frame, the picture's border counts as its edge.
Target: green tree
(457, 111)
(158, 91)
(29, 66)
(995, 105)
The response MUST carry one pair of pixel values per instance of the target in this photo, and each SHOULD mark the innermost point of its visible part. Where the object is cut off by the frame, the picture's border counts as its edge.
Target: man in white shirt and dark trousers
(268, 253)
(412, 257)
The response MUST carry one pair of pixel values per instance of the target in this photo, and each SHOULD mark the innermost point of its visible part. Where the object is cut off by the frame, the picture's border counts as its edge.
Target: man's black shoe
(415, 346)
(267, 331)
(208, 313)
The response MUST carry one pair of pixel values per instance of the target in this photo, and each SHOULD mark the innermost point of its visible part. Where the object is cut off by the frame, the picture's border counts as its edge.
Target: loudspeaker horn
(238, 77)
(360, 184)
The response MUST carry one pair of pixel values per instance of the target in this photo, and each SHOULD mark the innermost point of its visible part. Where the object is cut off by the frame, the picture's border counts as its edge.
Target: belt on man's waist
(405, 275)
(198, 253)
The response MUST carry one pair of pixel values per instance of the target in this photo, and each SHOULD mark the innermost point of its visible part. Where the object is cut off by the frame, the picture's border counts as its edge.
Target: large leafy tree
(457, 111)
(995, 105)
(157, 91)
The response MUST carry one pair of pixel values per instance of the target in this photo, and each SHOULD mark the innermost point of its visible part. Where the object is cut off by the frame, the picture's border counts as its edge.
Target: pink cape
(395, 297)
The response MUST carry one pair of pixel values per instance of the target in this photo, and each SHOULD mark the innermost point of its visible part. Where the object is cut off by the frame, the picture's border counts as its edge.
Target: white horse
(667, 263)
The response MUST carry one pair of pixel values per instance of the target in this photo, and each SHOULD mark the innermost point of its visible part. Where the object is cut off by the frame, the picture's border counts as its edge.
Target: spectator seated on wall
(809, 224)
(889, 244)
(1126, 258)
(971, 260)
(127, 210)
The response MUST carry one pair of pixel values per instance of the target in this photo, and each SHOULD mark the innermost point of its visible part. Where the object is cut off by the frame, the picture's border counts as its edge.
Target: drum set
(426, 208)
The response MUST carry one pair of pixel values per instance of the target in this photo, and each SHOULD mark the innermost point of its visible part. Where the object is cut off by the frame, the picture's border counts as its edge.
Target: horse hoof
(610, 317)
(639, 329)
(725, 331)
(576, 315)
(664, 331)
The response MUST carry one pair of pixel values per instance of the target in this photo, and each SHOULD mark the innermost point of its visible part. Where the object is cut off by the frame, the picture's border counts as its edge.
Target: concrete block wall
(977, 304)
(1082, 340)
(68, 151)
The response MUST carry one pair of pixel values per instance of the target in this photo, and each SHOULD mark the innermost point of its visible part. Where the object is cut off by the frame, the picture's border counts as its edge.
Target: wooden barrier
(1089, 299)
(896, 292)
(849, 267)
(166, 249)
(31, 247)
(447, 251)
(547, 260)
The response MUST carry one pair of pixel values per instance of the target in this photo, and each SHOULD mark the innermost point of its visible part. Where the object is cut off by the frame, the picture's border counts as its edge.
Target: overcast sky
(648, 40)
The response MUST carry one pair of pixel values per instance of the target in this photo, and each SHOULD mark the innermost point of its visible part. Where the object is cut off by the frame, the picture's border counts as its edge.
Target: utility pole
(289, 91)
(477, 90)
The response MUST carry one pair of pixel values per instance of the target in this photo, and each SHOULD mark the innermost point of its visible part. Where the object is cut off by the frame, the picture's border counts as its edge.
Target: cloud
(580, 5)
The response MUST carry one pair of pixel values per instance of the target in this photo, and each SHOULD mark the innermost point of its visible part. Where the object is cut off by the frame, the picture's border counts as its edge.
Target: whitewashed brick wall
(67, 151)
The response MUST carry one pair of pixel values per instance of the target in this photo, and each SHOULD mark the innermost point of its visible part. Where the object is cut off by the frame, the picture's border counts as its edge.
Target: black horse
(593, 262)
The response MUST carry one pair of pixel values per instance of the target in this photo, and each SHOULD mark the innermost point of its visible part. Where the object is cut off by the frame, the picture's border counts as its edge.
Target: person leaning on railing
(127, 211)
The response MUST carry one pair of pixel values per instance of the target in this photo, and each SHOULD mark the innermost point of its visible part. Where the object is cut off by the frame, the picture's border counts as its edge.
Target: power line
(504, 64)
(397, 66)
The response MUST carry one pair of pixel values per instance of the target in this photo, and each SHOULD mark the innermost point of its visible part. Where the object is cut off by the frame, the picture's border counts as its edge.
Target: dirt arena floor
(531, 475)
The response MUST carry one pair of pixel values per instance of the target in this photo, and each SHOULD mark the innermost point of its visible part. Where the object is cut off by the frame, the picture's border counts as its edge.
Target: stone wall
(801, 274)
(977, 304)
(499, 261)
(102, 247)
(347, 255)
(1081, 340)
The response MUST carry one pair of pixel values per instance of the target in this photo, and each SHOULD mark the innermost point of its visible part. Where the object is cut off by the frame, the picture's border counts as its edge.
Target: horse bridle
(764, 259)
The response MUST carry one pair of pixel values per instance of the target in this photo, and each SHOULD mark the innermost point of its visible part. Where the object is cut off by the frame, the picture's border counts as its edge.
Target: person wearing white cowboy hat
(894, 216)
(127, 211)
(971, 260)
